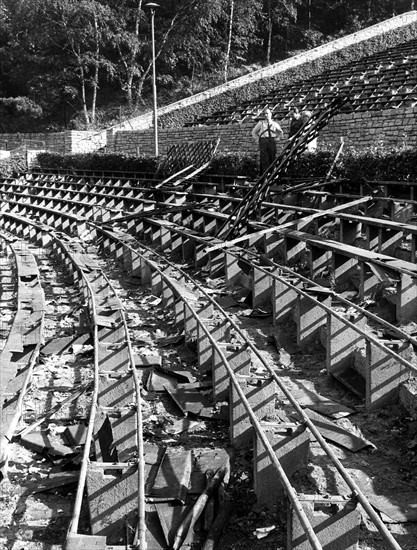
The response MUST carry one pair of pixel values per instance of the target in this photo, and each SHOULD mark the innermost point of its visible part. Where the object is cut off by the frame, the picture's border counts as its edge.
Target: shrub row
(373, 164)
(98, 161)
(13, 166)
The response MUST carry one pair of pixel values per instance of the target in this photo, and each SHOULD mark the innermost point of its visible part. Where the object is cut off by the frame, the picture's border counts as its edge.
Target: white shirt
(261, 129)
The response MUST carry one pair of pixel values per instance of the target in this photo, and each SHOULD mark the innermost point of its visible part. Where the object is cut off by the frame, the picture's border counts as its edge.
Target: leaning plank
(312, 217)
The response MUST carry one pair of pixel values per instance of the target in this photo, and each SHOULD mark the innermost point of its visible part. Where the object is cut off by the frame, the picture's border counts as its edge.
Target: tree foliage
(72, 58)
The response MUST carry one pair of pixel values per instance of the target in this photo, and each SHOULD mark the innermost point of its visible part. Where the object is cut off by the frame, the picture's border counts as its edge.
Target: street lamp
(152, 6)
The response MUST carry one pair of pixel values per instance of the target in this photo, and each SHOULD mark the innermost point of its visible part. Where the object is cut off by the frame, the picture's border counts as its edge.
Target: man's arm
(278, 130)
(256, 130)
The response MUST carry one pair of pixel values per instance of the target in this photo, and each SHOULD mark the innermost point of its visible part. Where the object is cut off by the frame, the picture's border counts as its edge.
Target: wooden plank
(225, 244)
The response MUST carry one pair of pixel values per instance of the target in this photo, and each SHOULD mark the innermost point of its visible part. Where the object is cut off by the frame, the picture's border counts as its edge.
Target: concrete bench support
(293, 250)
(343, 344)
(407, 299)
(262, 288)
(260, 393)
(349, 231)
(320, 261)
(220, 331)
(291, 444)
(284, 300)
(384, 374)
(238, 358)
(310, 317)
(335, 520)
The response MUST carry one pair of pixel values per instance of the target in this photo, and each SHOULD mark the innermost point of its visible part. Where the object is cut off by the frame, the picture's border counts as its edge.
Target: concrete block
(188, 249)
(384, 374)
(407, 299)
(198, 221)
(310, 316)
(203, 310)
(390, 240)
(343, 343)
(335, 521)
(349, 231)
(201, 255)
(293, 249)
(145, 272)
(238, 272)
(156, 283)
(262, 287)
(291, 444)
(165, 237)
(284, 299)
(401, 212)
(216, 264)
(239, 360)
(370, 284)
(320, 261)
(273, 245)
(408, 397)
(344, 269)
(260, 393)
(219, 330)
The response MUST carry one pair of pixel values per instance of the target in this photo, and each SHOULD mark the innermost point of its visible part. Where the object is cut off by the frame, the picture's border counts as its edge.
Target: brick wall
(390, 127)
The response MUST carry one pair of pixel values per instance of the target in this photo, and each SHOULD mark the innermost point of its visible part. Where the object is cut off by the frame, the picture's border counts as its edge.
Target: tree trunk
(96, 71)
(84, 96)
(269, 44)
(229, 39)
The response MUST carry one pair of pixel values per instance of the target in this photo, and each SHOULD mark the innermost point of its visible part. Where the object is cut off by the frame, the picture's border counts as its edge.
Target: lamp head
(152, 5)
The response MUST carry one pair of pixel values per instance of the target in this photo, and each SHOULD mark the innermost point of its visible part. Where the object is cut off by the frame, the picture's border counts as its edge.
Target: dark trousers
(268, 152)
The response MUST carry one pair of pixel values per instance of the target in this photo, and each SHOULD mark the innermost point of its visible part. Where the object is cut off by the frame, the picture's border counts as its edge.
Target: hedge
(375, 164)
(98, 161)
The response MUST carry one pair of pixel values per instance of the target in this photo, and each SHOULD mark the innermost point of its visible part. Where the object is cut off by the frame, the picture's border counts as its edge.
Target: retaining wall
(390, 127)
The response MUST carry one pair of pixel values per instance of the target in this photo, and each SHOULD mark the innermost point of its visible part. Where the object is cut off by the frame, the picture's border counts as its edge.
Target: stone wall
(51, 141)
(390, 127)
(69, 142)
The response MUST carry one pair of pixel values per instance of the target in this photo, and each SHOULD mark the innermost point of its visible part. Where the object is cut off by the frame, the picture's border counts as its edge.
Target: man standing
(267, 132)
(297, 121)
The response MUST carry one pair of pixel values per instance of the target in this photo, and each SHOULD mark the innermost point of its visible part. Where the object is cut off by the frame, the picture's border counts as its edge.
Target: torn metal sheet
(332, 432)
(63, 479)
(193, 402)
(161, 381)
(173, 478)
(306, 394)
(65, 344)
(398, 507)
(40, 442)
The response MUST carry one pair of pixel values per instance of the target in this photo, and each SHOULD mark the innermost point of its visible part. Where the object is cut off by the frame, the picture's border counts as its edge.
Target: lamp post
(152, 6)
